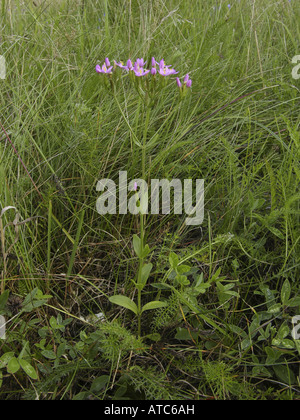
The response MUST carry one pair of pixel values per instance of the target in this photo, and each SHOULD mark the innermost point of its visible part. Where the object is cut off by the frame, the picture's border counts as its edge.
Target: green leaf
(137, 245)
(276, 232)
(146, 251)
(273, 355)
(99, 383)
(184, 334)
(174, 260)
(283, 332)
(28, 369)
(81, 396)
(183, 269)
(13, 365)
(5, 358)
(49, 354)
(183, 280)
(34, 300)
(246, 344)
(3, 300)
(294, 302)
(285, 374)
(161, 286)
(154, 305)
(153, 337)
(286, 344)
(146, 270)
(274, 309)
(125, 302)
(286, 292)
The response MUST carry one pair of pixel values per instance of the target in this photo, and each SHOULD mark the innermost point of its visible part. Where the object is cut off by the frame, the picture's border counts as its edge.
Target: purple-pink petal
(186, 78)
(165, 71)
(178, 82)
(141, 72)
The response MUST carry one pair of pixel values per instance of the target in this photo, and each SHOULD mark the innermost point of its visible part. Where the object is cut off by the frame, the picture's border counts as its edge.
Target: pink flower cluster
(138, 68)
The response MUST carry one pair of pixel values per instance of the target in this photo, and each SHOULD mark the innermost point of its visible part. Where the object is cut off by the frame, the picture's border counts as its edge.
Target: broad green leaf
(13, 365)
(61, 349)
(81, 396)
(202, 288)
(286, 292)
(286, 344)
(154, 305)
(183, 269)
(183, 280)
(99, 383)
(146, 270)
(49, 354)
(184, 334)
(53, 323)
(273, 355)
(5, 358)
(274, 309)
(283, 332)
(285, 374)
(125, 302)
(28, 369)
(246, 344)
(174, 260)
(294, 302)
(137, 245)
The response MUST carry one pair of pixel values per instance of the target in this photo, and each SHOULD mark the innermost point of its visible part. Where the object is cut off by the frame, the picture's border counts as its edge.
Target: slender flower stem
(142, 218)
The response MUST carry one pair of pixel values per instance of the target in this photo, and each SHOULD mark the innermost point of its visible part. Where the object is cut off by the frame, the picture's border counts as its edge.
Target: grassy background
(239, 130)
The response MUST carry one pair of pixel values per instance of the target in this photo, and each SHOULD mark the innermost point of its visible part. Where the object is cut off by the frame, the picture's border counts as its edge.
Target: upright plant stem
(142, 219)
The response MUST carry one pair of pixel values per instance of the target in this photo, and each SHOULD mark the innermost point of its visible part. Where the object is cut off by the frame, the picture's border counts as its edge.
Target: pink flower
(128, 66)
(165, 70)
(141, 72)
(140, 62)
(138, 69)
(187, 77)
(106, 68)
(154, 62)
(179, 84)
(187, 81)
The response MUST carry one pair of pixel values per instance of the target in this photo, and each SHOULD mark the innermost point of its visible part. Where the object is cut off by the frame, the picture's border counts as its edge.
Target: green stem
(142, 221)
